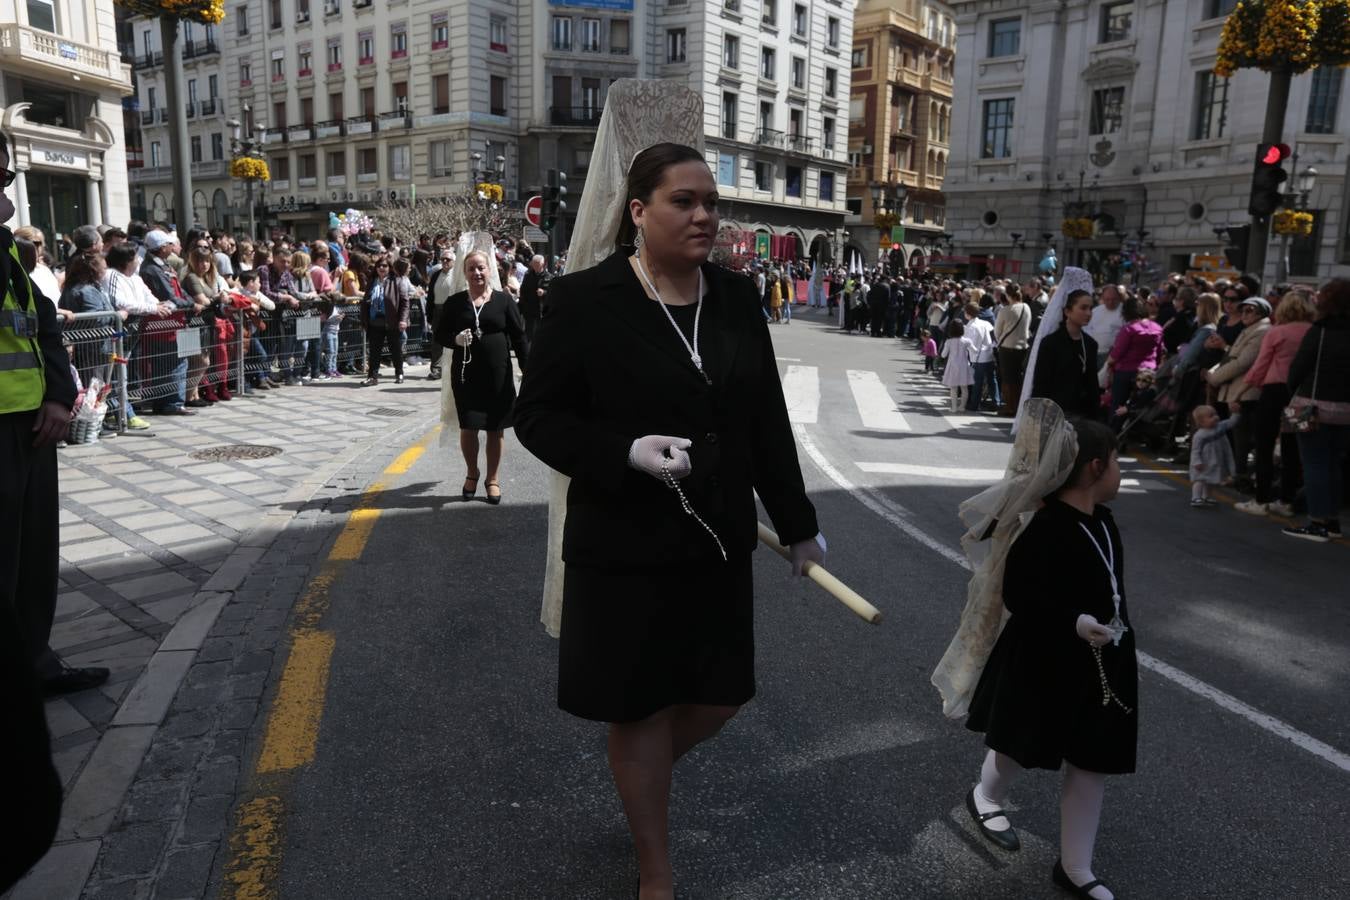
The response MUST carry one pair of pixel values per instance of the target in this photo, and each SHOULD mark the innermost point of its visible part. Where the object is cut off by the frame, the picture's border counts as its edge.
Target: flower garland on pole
(1295, 222)
(250, 168)
(1077, 227)
(208, 12)
(1284, 38)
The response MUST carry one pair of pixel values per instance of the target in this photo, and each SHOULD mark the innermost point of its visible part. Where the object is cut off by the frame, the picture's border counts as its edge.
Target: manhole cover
(390, 412)
(235, 451)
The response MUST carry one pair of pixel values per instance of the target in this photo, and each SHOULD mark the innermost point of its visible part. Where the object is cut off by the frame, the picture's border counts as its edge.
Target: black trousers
(30, 537)
(376, 337)
(1269, 415)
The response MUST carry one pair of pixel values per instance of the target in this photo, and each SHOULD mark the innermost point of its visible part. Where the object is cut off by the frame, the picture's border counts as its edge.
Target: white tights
(958, 397)
(1080, 812)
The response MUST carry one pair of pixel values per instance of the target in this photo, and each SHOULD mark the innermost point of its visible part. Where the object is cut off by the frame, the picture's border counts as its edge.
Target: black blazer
(1061, 375)
(606, 368)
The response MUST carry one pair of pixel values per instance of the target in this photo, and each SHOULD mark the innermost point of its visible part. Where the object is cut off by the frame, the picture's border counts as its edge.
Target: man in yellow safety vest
(37, 392)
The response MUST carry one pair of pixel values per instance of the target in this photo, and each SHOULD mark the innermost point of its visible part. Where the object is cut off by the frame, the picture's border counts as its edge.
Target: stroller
(1157, 416)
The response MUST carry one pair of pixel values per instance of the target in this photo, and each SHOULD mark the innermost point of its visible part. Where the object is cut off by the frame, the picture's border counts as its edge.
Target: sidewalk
(155, 540)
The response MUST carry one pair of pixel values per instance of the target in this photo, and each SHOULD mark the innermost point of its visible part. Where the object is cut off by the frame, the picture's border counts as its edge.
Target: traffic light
(555, 202)
(1267, 195)
(1236, 249)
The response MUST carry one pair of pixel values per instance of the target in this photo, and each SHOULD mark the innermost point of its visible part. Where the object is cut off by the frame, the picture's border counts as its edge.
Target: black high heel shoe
(470, 487)
(1061, 879)
(492, 498)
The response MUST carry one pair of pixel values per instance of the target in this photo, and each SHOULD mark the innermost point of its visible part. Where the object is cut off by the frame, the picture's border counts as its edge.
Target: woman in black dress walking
(653, 385)
(483, 326)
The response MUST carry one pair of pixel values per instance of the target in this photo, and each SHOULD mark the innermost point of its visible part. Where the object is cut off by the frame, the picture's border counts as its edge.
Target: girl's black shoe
(1061, 879)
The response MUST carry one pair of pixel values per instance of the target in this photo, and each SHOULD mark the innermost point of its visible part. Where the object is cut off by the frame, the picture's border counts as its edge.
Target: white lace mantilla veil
(468, 243)
(1041, 459)
(638, 113)
(1074, 280)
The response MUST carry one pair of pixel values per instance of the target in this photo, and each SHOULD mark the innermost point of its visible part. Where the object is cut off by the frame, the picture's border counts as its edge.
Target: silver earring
(638, 240)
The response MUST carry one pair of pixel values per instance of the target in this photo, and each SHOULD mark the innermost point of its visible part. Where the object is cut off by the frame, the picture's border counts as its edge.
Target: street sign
(535, 235)
(534, 208)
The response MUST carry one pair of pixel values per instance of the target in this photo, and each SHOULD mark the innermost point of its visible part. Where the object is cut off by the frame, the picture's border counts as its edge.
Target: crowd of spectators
(241, 296)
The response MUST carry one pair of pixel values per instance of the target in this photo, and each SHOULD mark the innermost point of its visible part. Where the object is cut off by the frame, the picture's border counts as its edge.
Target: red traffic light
(1273, 154)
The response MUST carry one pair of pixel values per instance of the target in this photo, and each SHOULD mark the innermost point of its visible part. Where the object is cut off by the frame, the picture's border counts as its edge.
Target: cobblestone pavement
(177, 574)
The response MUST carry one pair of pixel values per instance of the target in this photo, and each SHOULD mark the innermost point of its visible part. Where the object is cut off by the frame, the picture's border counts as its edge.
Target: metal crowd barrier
(158, 360)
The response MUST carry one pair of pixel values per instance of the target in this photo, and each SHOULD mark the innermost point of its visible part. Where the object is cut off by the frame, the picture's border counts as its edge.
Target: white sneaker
(1280, 508)
(1251, 507)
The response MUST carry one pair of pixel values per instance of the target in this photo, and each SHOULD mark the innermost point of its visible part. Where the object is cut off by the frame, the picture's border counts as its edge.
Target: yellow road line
(255, 848)
(293, 726)
(292, 734)
(405, 460)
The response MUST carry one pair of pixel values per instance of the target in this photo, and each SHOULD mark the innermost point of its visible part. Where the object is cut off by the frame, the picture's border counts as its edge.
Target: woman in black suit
(653, 371)
(482, 325)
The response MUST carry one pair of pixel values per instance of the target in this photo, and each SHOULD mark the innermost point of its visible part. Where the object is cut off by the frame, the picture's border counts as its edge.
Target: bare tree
(451, 215)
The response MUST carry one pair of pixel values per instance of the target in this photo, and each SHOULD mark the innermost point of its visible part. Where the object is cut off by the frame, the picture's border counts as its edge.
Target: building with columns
(899, 129)
(1109, 109)
(62, 81)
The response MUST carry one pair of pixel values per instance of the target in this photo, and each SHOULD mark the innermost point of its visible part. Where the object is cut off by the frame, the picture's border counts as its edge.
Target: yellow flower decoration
(1284, 36)
(250, 168)
(1078, 227)
(1295, 222)
(490, 191)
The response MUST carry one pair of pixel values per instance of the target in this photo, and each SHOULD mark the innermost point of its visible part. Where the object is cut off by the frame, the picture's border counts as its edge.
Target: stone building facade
(1110, 109)
(899, 137)
(62, 82)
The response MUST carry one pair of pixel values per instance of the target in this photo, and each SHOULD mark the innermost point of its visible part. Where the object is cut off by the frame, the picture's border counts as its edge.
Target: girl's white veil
(469, 242)
(1074, 280)
(1041, 459)
(638, 114)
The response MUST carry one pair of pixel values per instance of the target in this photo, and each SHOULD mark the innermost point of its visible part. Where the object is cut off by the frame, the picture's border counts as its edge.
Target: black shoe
(197, 404)
(69, 680)
(492, 498)
(398, 379)
(1006, 839)
(1313, 531)
(1061, 878)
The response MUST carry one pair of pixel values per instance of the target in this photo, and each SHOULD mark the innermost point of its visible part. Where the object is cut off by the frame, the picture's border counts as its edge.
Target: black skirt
(638, 640)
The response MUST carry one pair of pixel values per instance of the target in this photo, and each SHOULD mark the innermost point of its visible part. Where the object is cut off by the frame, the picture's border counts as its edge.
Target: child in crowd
(957, 374)
(1140, 398)
(1211, 454)
(256, 363)
(330, 315)
(929, 350)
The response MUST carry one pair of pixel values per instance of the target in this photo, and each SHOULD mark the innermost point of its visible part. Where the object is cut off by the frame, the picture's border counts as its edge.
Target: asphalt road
(445, 770)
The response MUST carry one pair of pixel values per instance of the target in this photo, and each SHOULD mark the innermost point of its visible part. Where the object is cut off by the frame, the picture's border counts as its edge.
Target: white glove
(1092, 631)
(802, 552)
(464, 338)
(649, 453)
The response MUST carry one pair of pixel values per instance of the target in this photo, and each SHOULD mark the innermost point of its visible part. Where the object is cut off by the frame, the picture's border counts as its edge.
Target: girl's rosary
(477, 335)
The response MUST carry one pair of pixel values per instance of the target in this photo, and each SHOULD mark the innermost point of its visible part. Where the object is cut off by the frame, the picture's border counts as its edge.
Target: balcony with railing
(361, 125)
(191, 107)
(399, 118)
(330, 128)
(800, 143)
(274, 136)
(211, 107)
(147, 61)
(147, 117)
(199, 49)
(768, 137)
(40, 52)
(575, 116)
(213, 168)
(298, 133)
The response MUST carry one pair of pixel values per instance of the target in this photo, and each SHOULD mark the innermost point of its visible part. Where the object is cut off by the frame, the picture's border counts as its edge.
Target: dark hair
(80, 270)
(1070, 300)
(121, 254)
(85, 237)
(1095, 441)
(955, 328)
(248, 275)
(400, 266)
(645, 176)
(136, 229)
(1132, 310)
(1251, 283)
(1334, 299)
(28, 254)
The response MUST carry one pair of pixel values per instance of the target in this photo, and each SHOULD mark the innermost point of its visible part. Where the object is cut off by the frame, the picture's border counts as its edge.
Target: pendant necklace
(1116, 626)
(478, 335)
(694, 356)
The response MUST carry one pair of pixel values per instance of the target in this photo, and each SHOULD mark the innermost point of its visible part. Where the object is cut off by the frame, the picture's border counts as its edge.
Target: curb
(95, 798)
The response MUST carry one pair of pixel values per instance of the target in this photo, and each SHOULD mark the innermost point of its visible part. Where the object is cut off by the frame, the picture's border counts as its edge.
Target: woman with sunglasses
(384, 315)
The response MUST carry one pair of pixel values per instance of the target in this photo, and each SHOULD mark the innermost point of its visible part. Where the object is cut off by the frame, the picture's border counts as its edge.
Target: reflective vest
(22, 380)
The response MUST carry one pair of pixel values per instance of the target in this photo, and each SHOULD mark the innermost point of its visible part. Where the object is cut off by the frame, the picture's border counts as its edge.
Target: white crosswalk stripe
(801, 390)
(875, 404)
(940, 473)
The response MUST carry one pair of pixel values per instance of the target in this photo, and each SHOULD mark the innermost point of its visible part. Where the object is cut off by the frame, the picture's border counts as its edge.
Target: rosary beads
(674, 485)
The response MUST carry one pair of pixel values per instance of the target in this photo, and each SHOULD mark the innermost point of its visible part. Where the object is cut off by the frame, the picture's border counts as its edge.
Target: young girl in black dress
(1060, 686)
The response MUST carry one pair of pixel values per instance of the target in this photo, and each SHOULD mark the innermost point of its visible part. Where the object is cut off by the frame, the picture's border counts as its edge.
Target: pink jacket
(1138, 346)
(1278, 347)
